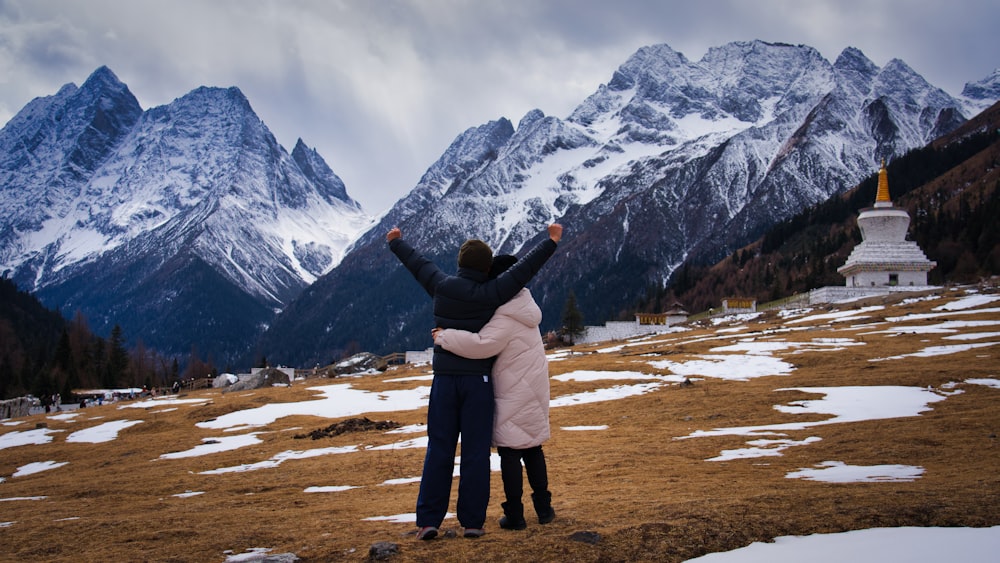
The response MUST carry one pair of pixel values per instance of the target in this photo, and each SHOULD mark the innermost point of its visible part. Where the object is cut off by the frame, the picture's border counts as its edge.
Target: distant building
(732, 305)
(885, 258)
(644, 324)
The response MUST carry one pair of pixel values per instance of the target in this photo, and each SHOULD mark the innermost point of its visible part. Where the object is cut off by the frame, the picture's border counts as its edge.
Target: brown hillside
(648, 495)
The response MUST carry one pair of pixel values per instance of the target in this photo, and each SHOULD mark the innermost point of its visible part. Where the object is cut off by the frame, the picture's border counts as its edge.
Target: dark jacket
(467, 301)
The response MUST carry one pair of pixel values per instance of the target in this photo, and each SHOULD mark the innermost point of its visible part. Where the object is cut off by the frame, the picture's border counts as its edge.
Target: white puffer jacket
(520, 374)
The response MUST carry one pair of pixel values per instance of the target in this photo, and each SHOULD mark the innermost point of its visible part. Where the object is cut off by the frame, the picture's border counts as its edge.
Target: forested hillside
(42, 353)
(29, 334)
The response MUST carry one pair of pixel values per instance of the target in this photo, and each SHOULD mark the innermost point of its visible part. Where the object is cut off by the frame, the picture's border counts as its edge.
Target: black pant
(510, 471)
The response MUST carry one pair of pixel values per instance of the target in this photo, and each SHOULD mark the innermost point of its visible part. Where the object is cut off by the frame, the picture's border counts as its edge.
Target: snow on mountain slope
(670, 160)
(207, 148)
(171, 222)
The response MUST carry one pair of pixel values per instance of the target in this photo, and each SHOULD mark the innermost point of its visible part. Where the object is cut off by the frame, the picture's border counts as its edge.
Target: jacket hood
(523, 309)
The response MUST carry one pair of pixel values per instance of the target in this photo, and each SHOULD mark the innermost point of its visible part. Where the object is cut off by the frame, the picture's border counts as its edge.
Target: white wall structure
(420, 356)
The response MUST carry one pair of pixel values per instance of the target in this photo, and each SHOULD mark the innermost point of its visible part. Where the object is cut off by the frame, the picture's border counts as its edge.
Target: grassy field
(641, 492)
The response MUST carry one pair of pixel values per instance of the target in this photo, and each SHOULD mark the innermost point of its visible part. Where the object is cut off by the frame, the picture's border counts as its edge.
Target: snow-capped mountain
(671, 160)
(138, 217)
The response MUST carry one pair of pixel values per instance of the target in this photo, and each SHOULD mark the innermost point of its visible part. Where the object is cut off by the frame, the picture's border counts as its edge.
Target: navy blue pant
(459, 405)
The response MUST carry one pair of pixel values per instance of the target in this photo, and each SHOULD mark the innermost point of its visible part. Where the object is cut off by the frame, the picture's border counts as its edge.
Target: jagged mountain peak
(531, 117)
(50, 148)
(852, 58)
(331, 187)
(670, 161)
(146, 214)
(466, 152)
(228, 104)
(897, 70)
(855, 71)
(231, 94)
(751, 57)
(103, 77)
(988, 88)
(657, 60)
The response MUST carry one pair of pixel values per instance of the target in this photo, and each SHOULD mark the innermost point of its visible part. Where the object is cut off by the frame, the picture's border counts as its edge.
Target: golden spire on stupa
(883, 186)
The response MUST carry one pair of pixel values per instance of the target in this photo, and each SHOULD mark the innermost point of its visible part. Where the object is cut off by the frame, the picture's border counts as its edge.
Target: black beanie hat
(500, 264)
(475, 255)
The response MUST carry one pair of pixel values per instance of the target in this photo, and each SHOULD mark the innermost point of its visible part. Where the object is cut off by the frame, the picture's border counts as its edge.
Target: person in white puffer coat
(521, 391)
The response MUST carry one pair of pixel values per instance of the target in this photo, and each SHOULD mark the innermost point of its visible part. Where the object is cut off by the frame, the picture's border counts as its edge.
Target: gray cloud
(381, 88)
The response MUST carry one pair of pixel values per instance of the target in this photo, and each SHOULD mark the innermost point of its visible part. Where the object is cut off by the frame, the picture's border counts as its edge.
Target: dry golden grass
(650, 496)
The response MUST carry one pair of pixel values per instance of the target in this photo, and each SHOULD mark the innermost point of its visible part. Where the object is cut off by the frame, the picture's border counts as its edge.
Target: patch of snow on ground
(912, 300)
(38, 467)
(409, 429)
(740, 318)
(404, 445)
(586, 375)
(599, 395)
(407, 518)
(876, 545)
(946, 327)
(969, 302)
(252, 555)
(105, 432)
(401, 481)
(757, 347)
(973, 336)
(732, 367)
(994, 383)
(216, 445)
(846, 404)
(839, 316)
(338, 401)
(280, 458)
(329, 489)
(156, 402)
(840, 472)
(26, 437)
(938, 351)
(792, 313)
(762, 448)
(948, 314)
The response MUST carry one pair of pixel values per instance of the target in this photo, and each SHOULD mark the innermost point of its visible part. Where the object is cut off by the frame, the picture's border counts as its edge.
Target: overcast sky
(381, 87)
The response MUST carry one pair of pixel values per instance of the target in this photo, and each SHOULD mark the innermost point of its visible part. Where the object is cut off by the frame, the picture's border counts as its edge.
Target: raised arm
(518, 275)
(426, 272)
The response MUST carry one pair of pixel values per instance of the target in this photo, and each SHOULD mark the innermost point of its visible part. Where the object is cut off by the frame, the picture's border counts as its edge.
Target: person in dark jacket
(461, 401)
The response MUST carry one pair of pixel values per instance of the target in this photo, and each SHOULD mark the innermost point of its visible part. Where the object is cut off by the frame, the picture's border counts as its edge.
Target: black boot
(543, 507)
(513, 516)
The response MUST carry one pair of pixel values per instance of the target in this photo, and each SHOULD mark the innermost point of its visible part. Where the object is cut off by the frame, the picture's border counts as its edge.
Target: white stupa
(885, 258)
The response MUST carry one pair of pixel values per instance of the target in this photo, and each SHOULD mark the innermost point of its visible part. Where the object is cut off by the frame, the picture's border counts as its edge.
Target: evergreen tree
(7, 377)
(101, 371)
(572, 318)
(117, 356)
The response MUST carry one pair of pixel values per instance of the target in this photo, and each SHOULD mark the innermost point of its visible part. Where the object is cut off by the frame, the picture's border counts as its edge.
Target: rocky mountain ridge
(150, 218)
(670, 161)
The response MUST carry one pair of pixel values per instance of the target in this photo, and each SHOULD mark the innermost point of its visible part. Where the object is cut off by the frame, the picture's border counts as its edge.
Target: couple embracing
(490, 384)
